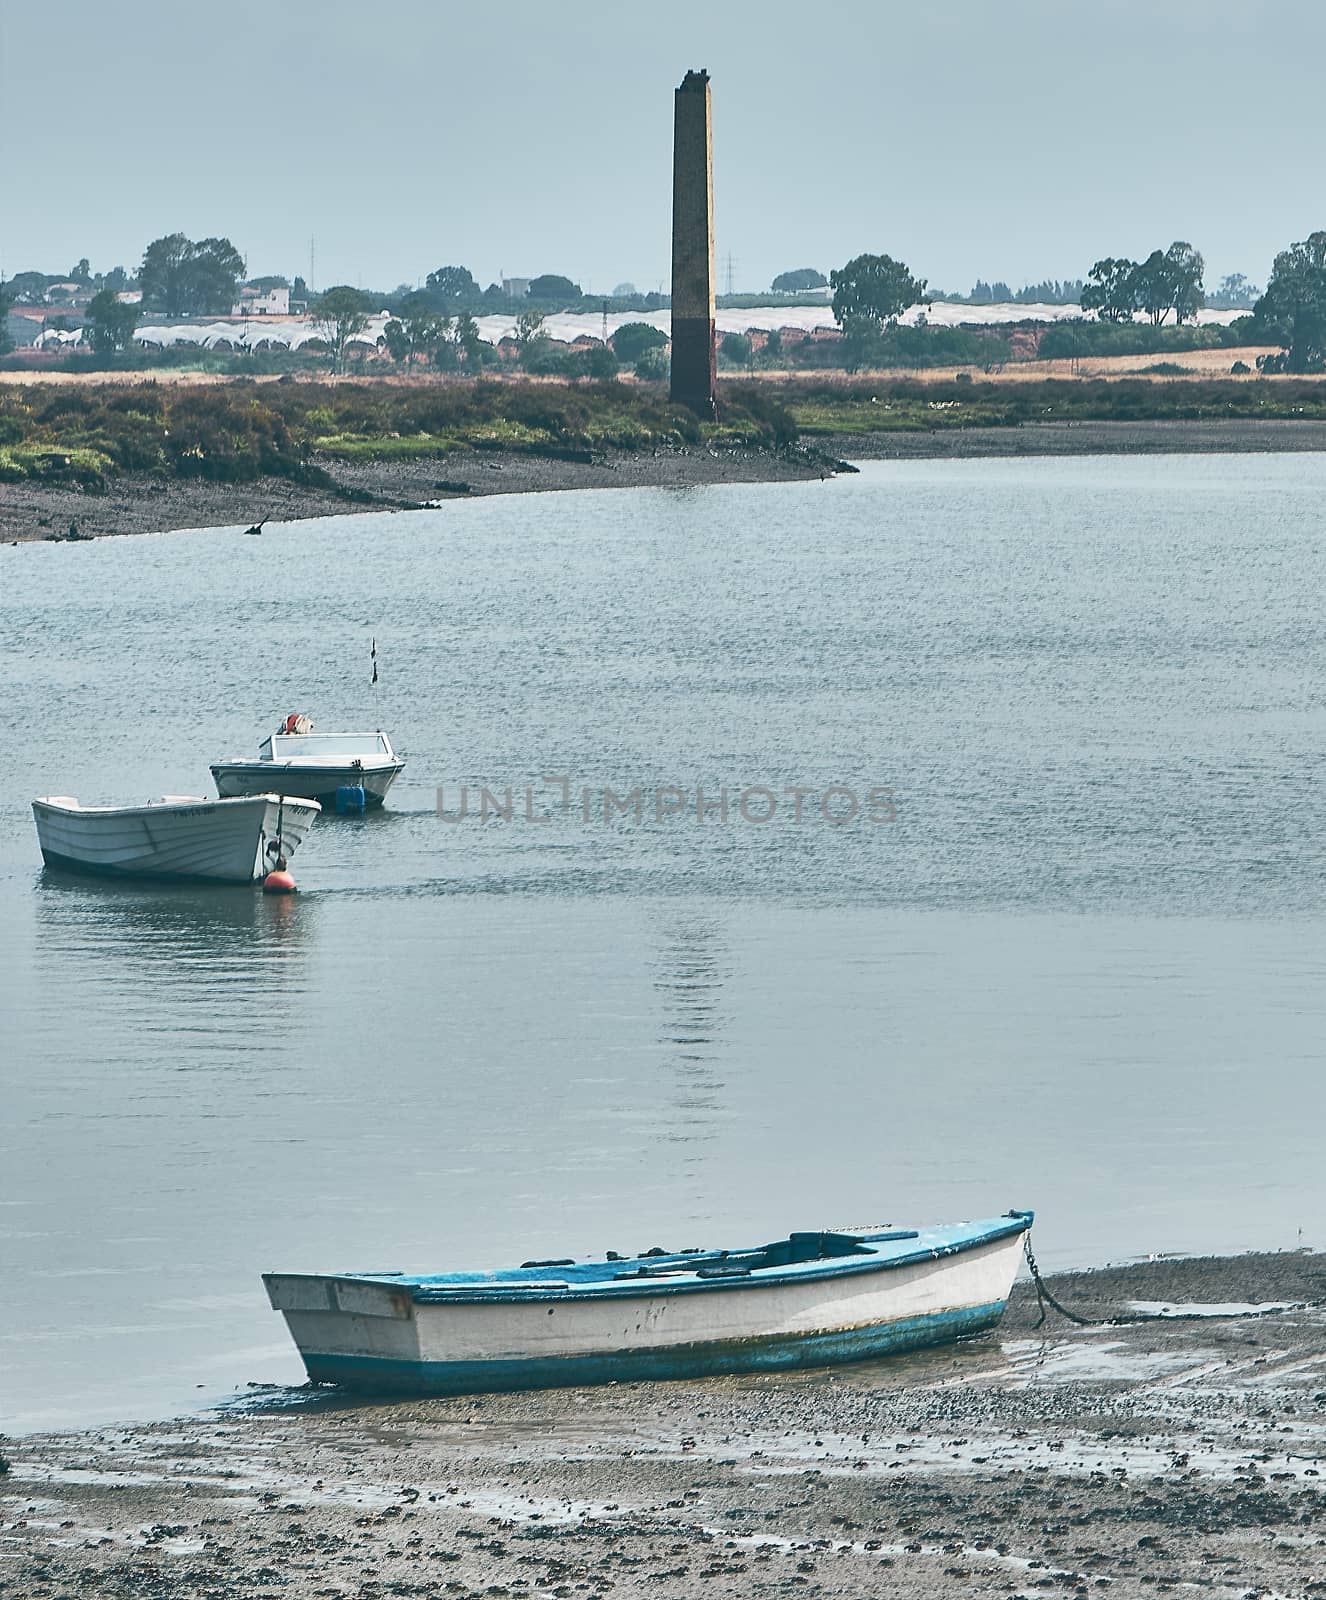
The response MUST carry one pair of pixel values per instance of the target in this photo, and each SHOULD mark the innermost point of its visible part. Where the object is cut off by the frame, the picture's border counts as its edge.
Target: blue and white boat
(811, 1299)
(313, 766)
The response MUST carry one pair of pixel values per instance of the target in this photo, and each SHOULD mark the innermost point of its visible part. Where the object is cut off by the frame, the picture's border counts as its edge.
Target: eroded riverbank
(1119, 1458)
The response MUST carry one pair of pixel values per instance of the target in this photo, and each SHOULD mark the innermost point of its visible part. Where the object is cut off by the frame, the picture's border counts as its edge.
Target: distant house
(67, 294)
(129, 297)
(252, 302)
(516, 288)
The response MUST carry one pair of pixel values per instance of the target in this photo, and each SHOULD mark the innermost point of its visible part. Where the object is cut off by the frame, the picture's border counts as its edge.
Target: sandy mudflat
(1125, 1460)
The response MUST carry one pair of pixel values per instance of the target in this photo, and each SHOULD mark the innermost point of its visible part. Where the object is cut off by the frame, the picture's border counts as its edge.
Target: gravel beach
(1123, 1458)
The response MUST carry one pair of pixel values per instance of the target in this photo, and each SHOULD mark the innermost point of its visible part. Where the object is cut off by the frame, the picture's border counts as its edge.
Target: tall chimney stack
(693, 360)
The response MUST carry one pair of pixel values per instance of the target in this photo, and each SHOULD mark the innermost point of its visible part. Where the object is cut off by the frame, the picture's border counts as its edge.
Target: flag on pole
(373, 657)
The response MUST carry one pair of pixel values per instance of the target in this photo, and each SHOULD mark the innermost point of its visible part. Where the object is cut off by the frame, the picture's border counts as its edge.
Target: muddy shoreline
(1121, 1458)
(1215, 436)
(142, 503)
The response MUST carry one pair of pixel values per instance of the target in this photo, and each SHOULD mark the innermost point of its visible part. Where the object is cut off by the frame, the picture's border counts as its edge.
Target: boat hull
(377, 1337)
(317, 783)
(203, 841)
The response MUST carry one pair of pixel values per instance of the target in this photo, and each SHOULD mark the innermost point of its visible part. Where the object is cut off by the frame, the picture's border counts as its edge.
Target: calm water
(1082, 970)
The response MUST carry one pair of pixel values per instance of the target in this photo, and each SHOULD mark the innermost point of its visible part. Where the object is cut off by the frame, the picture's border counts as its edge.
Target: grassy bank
(241, 432)
(88, 434)
(861, 407)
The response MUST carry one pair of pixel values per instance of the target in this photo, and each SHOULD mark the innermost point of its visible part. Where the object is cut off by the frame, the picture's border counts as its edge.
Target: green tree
(186, 278)
(528, 326)
(798, 281)
(600, 362)
(653, 365)
(6, 300)
(736, 348)
(1186, 269)
(397, 341)
(872, 291)
(1236, 293)
(110, 323)
(418, 330)
(549, 286)
(1152, 287)
(773, 346)
(1169, 280)
(1292, 312)
(632, 339)
(468, 343)
(82, 273)
(1111, 289)
(453, 287)
(341, 313)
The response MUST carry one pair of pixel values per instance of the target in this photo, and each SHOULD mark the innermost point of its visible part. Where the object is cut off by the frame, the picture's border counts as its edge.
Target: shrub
(632, 339)
(653, 364)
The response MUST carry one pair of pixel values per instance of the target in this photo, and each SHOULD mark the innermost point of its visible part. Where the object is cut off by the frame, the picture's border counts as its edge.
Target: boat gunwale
(476, 1291)
(307, 764)
(55, 806)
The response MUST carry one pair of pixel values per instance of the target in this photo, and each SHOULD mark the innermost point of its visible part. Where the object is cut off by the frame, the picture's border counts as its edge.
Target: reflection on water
(169, 946)
(692, 967)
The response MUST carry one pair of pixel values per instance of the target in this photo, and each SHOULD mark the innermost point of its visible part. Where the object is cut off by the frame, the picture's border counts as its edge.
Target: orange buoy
(279, 880)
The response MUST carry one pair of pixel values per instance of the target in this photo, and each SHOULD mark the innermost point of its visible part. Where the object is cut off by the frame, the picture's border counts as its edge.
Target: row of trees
(1168, 280)
(1048, 292)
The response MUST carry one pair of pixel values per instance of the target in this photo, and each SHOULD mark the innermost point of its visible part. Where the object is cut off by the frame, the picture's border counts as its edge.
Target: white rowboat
(812, 1299)
(180, 836)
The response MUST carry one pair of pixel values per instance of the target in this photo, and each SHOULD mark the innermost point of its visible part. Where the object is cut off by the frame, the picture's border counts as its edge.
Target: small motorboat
(180, 836)
(314, 766)
(812, 1299)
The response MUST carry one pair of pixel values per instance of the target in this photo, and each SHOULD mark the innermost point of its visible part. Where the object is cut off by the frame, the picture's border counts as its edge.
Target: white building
(253, 302)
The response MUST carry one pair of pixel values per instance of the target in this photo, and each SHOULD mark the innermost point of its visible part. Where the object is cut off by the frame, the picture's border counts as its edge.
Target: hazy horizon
(1014, 142)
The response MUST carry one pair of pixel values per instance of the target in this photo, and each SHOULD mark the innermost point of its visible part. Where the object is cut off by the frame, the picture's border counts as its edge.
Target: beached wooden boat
(180, 836)
(297, 761)
(812, 1299)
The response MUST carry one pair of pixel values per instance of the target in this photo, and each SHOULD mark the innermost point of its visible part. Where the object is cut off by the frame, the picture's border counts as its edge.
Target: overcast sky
(1012, 139)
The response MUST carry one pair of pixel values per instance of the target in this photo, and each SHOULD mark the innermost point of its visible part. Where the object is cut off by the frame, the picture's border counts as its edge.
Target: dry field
(1205, 364)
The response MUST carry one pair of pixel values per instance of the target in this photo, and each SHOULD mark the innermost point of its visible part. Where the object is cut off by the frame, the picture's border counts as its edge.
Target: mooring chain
(1043, 1295)
(1044, 1298)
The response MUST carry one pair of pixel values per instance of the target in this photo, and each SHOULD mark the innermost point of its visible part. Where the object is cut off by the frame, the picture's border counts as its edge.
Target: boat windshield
(338, 745)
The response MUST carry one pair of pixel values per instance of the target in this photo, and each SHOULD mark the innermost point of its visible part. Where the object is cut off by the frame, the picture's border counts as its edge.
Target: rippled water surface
(1082, 970)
